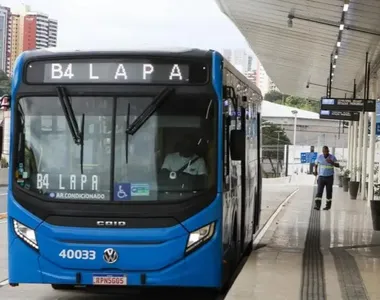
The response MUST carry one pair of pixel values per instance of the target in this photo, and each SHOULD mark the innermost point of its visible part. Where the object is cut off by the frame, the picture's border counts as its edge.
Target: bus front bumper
(202, 268)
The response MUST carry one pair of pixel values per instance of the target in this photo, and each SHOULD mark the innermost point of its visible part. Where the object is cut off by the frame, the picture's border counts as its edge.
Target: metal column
(359, 148)
(365, 152)
(372, 142)
(349, 151)
(354, 151)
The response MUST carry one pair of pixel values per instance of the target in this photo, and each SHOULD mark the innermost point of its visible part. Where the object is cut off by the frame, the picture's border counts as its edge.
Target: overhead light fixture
(334, 66)
(338, 44)
(336, 56)
(341, 26)
(332, 74)
(345, 7)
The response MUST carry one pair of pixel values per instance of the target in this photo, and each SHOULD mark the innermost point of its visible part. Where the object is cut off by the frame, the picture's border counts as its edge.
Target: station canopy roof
(295, 40)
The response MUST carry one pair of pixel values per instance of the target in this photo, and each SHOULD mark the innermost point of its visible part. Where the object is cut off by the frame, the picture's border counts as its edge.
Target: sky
(126, 23)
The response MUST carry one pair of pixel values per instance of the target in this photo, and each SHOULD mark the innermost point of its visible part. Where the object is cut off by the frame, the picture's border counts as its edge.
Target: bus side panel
(217, 82)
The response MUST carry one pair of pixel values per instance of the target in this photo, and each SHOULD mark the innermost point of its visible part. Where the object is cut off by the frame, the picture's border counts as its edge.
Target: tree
(5, 84)
(273, 96)
(273, 140)
(293, 101)
(302, 103)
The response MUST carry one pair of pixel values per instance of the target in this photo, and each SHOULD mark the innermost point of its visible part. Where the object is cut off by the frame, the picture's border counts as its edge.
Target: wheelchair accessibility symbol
(122, 191)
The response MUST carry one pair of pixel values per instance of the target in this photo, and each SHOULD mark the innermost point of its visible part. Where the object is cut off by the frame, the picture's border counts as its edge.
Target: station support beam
(372, 142)
(364, 160)
(348, 166)
(354, 151)
(359, 147)
(351, 147)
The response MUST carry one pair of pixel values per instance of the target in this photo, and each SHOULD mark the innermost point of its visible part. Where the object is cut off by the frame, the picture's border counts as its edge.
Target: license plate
(101, 279)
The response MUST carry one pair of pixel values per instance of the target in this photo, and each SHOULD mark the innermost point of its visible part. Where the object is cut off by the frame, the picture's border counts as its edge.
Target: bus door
(257, 204)
(243, 186)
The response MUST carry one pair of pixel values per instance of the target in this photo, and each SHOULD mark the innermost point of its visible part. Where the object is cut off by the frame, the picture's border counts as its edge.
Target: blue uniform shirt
(325, 168)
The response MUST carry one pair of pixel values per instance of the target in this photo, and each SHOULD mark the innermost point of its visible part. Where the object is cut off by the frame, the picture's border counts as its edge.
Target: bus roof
(57, 52)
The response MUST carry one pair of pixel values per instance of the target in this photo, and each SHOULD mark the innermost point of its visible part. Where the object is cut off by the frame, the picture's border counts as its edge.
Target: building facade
(311, 130)
(5, 39)
(249, 65)
(16, 41)
(31, 30)
(21, 30)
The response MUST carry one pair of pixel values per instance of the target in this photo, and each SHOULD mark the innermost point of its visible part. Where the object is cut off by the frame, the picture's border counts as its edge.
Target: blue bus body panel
(159, 253)
(217, 82)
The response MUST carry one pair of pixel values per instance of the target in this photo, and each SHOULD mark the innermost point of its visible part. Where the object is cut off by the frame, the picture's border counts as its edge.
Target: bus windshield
(171, 155)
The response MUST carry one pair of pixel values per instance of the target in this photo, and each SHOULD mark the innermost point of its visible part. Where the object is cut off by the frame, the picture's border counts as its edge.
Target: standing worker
(326, 163)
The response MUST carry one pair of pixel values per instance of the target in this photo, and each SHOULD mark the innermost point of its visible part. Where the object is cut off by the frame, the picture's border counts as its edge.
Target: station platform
(309, 254)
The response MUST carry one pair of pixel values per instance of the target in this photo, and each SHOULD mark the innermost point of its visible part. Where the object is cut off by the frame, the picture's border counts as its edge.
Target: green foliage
(3, 162)
(376, 187)
(293, 101)
(275, 96)
(273, 135)
(5, 84)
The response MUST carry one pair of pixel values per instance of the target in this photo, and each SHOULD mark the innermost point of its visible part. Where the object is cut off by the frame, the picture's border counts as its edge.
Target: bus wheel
(62, 287)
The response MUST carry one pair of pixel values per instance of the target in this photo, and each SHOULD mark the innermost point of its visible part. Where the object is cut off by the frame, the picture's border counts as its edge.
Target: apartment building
(251, 67)
(5, 39)
(31, 30)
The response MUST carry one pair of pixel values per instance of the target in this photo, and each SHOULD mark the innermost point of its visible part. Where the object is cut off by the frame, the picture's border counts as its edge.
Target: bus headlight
(26, 234)
(200, 236)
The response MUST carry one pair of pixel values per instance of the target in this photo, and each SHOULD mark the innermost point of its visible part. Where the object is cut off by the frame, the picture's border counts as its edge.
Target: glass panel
(48, 160)
(172, 156)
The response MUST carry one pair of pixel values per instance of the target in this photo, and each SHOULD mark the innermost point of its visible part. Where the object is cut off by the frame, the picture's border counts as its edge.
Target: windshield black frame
(115, 96)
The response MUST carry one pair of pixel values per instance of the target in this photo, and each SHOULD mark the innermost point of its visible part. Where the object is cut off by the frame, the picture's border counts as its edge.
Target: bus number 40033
(78, 254)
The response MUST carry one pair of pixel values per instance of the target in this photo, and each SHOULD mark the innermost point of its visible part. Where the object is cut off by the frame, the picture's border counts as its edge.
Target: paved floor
(3, 200)
(273, 196)
(308, 254)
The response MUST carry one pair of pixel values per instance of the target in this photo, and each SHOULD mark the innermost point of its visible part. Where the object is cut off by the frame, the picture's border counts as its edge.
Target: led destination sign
(115, 71)
(348, 105)
(339, 115)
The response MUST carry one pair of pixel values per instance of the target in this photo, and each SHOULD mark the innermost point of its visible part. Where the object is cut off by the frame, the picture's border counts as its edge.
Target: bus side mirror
(237, 144)
(5, 102)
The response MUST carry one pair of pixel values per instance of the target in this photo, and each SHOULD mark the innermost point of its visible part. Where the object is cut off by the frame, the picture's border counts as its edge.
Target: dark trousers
(323, 181)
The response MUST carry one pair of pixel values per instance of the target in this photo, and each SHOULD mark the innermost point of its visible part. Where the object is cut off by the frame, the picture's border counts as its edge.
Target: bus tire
(61, 287)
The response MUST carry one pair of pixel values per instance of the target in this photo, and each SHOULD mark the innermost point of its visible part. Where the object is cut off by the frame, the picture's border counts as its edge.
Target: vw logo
(110, 256)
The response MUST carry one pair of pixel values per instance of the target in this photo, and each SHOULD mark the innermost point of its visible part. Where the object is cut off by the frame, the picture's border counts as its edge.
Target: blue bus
(131, 168)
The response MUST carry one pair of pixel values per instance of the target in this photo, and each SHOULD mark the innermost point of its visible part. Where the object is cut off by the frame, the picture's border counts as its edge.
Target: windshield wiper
(69, 115)
(81, 143)
(72, 121)
(126, 133)
(151, 108)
